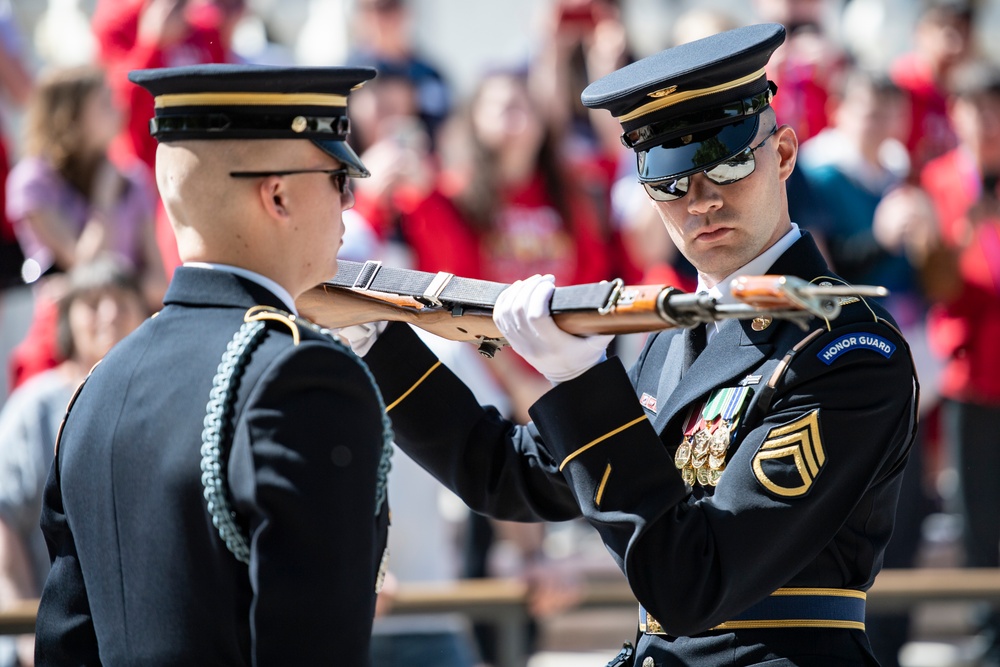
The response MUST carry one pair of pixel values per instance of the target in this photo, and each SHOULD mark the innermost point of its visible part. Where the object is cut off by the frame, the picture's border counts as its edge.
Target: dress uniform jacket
(806, 500)
(140, 575)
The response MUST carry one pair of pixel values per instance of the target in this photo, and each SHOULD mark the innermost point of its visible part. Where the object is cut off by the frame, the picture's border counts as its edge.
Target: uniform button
(648, 662)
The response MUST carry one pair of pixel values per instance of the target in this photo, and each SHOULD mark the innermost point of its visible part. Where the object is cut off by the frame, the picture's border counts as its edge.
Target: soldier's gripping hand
(522, 315)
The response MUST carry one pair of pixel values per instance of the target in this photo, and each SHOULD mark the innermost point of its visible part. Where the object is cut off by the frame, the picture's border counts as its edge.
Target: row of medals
(701, 456)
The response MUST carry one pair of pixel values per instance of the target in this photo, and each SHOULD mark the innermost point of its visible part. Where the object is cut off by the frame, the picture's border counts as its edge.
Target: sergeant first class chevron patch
(791, 457)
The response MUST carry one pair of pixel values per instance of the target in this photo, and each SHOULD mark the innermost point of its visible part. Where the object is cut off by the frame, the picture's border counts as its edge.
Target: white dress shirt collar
(759, 265)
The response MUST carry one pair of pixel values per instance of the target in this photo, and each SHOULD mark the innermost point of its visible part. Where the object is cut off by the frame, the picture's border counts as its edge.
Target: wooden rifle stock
(631, 309)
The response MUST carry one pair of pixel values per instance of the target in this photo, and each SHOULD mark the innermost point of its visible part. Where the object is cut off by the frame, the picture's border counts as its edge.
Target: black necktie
(695, 340)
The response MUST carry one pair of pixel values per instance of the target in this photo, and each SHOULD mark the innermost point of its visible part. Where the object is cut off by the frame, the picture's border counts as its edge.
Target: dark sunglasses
(338, 176)
(732, 170)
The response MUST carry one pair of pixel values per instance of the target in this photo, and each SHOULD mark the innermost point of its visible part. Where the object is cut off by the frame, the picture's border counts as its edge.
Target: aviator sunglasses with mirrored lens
(338, 176)
(734, 169)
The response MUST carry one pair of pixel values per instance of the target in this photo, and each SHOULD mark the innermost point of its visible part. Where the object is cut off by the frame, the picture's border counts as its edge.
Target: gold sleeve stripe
(790, 623)
(600, 440)
(600, 489)
(415, 385)
(670, 99)
(249, 99)
(837, 592)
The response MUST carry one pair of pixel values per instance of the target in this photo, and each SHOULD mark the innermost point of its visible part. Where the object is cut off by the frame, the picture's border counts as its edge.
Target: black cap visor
(346, 155)
(696, 152)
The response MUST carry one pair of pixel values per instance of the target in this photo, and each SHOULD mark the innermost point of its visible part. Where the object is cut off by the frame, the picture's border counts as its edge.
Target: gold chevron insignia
(796, 451)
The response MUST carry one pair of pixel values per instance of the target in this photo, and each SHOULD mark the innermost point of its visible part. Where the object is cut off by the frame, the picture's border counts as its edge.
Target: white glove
(361, 337)
(522, 315)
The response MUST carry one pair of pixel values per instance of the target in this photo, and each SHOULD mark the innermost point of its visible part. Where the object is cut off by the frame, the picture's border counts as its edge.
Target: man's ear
(788, 150)
(274, 197)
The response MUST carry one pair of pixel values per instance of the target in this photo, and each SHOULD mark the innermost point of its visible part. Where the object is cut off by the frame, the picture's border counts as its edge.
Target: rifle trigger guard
(617, 285)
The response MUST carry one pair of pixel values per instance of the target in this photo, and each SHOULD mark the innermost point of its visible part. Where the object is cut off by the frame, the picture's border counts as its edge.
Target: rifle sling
(458, 292)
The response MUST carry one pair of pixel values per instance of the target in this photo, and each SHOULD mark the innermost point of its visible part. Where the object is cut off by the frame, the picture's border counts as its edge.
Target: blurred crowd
(897, 178)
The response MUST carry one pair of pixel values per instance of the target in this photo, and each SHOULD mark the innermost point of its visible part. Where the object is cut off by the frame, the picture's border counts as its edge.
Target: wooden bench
(894, 590)
(20, 619)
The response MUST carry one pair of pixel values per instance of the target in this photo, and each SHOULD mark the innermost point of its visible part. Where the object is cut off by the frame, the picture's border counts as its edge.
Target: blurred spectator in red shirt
(382, 32)
(581, 41)
(68, 202)
(963, 187)
(961, 274)
(505, 207)
(140, 34)
(807, 67)
(942, 40)
(387, 129)
(510, 208)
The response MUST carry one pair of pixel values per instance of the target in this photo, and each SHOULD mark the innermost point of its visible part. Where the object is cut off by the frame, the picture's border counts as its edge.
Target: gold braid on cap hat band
(667, 97)
(249, 99)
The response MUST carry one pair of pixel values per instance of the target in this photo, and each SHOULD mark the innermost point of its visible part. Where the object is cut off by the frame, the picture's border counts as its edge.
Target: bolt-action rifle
(462, 309)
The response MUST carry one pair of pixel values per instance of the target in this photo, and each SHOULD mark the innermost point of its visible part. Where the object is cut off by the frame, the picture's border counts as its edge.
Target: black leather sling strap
(449, 291)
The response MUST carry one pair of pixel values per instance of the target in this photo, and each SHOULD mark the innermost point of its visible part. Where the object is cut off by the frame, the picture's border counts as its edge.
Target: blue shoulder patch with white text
(855, 341)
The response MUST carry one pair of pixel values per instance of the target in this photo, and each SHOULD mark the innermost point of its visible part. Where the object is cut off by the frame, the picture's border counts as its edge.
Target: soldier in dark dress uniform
(745, 485)
(218, 495)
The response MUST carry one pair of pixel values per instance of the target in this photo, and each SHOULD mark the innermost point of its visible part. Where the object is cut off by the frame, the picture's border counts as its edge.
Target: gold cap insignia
(791, 457)
(662, 92)
(299, 124)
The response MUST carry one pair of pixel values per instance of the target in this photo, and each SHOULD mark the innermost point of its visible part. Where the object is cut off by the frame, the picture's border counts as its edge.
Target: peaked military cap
(693, 106)
(256, 102)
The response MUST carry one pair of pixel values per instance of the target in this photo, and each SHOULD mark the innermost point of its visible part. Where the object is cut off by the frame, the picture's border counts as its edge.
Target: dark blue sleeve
(498, 468)
(64, 629)
(311, 439)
